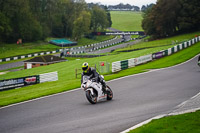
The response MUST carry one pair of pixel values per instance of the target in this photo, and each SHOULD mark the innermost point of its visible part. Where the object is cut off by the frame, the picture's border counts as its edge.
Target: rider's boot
(104, 88)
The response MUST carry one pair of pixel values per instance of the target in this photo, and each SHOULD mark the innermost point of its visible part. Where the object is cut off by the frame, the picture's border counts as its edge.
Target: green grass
(66, 73)
(185, 123)
(126, 20)
(20, 67)
(9, 50)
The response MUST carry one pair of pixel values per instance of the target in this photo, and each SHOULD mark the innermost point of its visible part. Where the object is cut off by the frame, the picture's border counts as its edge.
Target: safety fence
(28, 56)
(29, 80)
(125, 64)
(91, 48)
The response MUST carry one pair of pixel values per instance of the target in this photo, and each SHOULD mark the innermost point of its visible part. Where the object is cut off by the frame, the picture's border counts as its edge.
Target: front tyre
(109, 93)
(92, 99)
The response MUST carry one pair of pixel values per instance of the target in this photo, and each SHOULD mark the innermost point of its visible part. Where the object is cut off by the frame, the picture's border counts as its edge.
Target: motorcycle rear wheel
(91, 99)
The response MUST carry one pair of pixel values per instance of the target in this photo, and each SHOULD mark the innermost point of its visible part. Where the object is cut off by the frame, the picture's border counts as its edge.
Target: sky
(116, 2)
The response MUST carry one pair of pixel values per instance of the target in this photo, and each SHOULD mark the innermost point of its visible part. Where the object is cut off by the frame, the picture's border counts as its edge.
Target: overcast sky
(115, 2)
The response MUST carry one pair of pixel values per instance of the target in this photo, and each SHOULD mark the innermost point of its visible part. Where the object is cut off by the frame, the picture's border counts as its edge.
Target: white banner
(46, 77)
(143, 59)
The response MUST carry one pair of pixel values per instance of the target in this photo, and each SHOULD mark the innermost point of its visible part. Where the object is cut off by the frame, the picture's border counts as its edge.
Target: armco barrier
(28, 55)
(176, 48)
(125, 64)
(121, 65)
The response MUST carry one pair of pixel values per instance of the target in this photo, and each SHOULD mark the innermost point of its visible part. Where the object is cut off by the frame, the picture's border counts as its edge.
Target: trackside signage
(25, 81)
(119, 33)
(18, 82)
(143, 59)
(13, 83)
(158, 55)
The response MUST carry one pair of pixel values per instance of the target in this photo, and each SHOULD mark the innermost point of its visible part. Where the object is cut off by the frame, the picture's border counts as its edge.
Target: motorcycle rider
(92, 73)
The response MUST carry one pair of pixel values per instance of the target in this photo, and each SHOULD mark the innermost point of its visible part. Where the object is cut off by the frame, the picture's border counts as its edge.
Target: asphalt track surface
(136, 98)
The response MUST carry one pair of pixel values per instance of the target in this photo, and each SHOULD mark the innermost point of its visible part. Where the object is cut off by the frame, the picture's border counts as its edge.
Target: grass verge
(185, 123)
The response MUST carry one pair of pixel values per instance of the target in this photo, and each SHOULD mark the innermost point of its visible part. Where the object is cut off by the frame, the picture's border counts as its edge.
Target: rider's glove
(93, 80)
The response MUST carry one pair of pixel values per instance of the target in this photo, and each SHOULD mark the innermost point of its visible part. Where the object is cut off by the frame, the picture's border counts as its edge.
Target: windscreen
(85, 78)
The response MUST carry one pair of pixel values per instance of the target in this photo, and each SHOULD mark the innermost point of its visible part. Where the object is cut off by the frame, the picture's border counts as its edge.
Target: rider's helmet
(85, 67)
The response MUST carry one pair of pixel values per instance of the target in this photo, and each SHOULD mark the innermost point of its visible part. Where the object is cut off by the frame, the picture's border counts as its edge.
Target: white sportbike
(94, 92)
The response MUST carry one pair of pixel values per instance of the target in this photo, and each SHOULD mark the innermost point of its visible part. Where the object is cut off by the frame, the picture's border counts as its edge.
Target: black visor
(84, 68)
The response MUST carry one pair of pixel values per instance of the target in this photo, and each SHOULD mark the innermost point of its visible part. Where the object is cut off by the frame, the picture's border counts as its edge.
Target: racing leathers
(92, 73)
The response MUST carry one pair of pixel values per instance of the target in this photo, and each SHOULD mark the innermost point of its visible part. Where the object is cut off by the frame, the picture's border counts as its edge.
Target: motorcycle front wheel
(91, 98)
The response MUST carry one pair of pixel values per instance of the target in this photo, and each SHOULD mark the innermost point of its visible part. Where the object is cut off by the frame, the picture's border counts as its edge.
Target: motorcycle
(93, 90)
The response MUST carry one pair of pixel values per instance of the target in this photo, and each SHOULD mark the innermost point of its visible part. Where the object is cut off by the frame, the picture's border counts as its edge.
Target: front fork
(91, 90)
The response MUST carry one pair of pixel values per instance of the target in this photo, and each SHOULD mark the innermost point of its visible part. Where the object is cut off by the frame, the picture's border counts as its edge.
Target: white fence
(46, 77)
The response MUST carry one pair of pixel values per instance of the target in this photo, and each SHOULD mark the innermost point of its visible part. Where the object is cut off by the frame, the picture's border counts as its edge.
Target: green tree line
(32, 20)
(170, 17)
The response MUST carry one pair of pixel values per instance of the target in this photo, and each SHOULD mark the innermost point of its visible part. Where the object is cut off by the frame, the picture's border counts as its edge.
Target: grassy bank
(66, 73)
(186, 123)
(9, 50)
(126, 20)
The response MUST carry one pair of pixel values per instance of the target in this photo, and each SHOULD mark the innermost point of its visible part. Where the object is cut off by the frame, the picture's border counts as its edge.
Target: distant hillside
(121, 7)
(126, 20)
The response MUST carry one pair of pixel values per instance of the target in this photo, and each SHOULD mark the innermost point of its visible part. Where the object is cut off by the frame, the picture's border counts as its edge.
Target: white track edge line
(183, 103)
(107, 81)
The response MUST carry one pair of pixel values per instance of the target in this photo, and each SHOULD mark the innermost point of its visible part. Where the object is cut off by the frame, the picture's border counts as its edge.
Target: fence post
(76, 73)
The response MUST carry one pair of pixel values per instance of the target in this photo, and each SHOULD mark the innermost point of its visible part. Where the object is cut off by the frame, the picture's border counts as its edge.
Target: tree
(33, 20)
(189, 17)
(20, 20)
(148, 23)
(169, 17)
(82, 25)
(5, 29)
(108, 16)
(161, 20)
(99, 19)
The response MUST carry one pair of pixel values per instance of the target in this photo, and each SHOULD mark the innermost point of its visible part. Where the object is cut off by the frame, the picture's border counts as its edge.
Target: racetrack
(136, 98)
